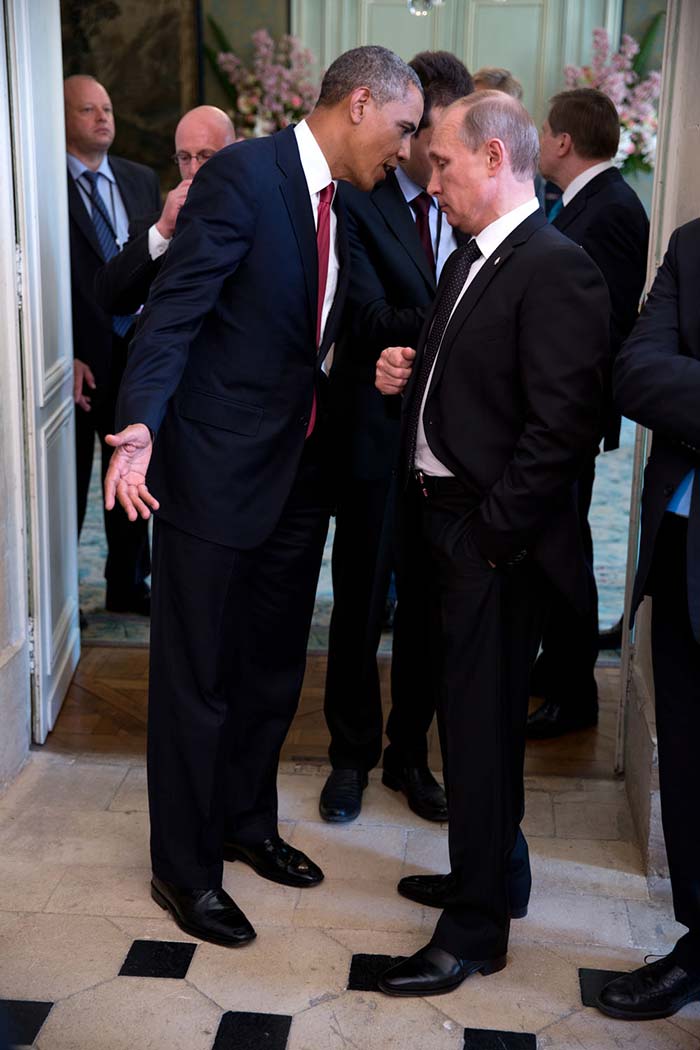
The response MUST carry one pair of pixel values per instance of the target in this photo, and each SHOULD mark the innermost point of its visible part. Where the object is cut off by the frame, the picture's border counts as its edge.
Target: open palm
(125, 480)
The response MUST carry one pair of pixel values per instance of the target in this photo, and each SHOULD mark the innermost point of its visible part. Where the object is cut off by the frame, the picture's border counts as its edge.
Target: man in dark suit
(104, 195)
(399, 243)
(123, 283)
(603, 214)
(227, 373)
(504, 401)
(657, 383)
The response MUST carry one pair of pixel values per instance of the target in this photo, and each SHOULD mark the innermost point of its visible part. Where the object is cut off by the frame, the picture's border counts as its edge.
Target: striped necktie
(107, 240)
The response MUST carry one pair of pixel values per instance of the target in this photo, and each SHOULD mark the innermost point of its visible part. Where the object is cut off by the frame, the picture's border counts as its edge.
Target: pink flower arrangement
(276, 91)
(635, 99)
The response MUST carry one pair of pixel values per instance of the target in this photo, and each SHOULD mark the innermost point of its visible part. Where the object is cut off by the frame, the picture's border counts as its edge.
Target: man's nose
(434, 185)
(404, 150)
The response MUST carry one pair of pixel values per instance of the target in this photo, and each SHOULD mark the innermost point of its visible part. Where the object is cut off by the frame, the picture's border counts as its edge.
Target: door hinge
(19, 273)
(31, 645)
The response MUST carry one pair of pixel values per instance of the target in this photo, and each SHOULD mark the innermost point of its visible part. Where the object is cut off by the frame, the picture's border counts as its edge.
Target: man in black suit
(503, 403)
(603, 214)
(226, 374)
(657, 383)
(399, 243)
(104, 195)
(123, 283)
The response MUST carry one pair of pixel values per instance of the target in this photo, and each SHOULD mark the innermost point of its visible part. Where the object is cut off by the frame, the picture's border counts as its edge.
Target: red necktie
(421, 206)
(323, 244)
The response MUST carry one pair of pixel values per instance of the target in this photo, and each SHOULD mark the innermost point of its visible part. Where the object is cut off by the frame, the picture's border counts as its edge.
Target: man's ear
(358, 100)
(565, 144)
(495, 153)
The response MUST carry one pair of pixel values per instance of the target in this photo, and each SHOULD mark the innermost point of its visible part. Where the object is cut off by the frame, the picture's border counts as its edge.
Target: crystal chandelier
(423, 7)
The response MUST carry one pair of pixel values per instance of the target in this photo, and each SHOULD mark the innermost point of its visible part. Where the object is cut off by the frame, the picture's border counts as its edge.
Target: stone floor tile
(265, 903)
(361, 904)
(578, 919)
(104, 890)
(553, 784)
(65, 784)
(298, 796)
(608, 869)
(142, 929)
(27, 885)
(653, 927)
(351, 851)
(282, 971)
(379, 942)
(131, 1012)
(242, 1028)
(587, 1029)
(688, 1020)
(22, 1020)
(591, 791)
(426, 852)
(591, 819)
(161, 959)
(133, 793)
(539, 815)
(48, 957)
(71, 836)
(371, 1021)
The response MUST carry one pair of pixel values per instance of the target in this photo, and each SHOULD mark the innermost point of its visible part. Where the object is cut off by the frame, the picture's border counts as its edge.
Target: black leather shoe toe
(552, 719)
(276, 860)
(433, 971)
(424, 795)
(137, 601)
(341, 798)
(657, 990)
(439, 891)
(210, 915)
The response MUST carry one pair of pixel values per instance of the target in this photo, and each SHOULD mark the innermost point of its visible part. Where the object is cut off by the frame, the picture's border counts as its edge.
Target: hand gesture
(394, 369)
(126, 475)
(82, 377)
(171, 209)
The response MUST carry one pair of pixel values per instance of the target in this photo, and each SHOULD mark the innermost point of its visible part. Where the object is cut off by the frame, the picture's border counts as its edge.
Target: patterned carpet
(609, 522)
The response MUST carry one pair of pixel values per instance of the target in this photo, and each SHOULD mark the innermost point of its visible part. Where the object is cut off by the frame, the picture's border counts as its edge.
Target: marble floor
(89, 962)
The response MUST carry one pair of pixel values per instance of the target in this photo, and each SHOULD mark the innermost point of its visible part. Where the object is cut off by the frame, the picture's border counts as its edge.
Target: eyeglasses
(186, 158)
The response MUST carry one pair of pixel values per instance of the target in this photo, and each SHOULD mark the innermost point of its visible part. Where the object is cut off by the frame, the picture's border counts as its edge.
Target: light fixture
(423, 7)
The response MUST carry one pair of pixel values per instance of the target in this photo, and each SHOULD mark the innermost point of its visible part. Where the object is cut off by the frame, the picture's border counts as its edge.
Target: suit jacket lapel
(572, 211)
(390, 201)
(295, 192)
(128, 190)
(79, 214)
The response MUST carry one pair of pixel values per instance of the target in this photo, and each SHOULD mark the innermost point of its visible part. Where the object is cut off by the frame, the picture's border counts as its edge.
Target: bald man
(105, 194)
(123, 283)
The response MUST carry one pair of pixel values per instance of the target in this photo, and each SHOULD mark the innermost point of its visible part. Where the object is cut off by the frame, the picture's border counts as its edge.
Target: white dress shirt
(488, 241)
(441, 233)
(108, 190)
(583, 179)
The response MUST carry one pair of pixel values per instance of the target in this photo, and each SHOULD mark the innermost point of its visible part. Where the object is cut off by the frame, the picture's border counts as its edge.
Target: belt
(435, 485)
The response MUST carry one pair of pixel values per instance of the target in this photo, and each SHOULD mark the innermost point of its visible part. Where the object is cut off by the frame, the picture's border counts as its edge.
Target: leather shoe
(432, 971)
(341, 798)
(659, 989)
(424, 794)
(551, 719)
(439, 891)
(136, 601)
(210, 915)
(276, 860)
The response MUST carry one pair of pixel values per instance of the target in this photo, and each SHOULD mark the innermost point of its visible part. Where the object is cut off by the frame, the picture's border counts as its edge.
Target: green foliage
(647, 44)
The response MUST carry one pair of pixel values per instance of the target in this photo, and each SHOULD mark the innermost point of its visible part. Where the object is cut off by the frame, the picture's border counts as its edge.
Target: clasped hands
(125, 479)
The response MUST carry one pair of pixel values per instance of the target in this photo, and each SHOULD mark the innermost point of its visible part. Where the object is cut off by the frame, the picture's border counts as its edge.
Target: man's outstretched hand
(126, 477)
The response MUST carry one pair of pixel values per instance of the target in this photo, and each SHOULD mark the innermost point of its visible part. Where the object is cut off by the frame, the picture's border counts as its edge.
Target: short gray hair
(386, 75)
(494, 115)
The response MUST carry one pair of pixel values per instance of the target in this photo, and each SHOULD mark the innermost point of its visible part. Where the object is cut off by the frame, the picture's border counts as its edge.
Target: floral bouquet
(277, 90)
(619, 76)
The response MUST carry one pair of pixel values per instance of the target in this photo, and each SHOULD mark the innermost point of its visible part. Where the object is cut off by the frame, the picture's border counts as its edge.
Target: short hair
(444, 79)
(386, 75)
(590, 118)
(495, 115)
(495, 78)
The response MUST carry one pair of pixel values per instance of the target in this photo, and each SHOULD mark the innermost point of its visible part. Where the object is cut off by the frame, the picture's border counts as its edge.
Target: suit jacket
(92, 325)
(122, 284)
(514, 404)
(608, 220)
(657, 383)
(224, 361)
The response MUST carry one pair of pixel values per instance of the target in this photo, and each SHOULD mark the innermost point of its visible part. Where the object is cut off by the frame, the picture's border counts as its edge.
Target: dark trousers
(487, 628)
(128, 556)
(364, 554)
(229, 630)
(676, 663)
(566, 666)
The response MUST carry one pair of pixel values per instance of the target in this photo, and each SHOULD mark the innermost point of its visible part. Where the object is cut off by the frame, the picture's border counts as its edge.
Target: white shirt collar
(316, 170)
(76, 167)
(494, 234)
(583, 179)
(408, 187)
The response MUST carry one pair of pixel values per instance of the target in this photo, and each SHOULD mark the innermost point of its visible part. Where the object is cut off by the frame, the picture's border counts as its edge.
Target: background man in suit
(657, 383)
(123, 283)
(104, 195)
(603, 214)
(504, 401)
(399, 243)
(241, 474)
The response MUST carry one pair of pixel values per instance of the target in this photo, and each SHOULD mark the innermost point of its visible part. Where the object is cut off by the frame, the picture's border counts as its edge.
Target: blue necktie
(555, 209)
(107, 240)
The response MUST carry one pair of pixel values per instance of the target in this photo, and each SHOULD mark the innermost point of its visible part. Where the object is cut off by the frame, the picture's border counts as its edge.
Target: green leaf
(221, 77)
(219, 36)
(646, 46)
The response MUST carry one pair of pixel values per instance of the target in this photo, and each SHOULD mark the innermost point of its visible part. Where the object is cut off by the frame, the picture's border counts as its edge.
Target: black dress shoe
(210, 915)
(83, 620)
(341, 798)
(276, 860)
(552, 719)
(424, 794)
(439, 891)
(612, 638)
(657, 990)
(137, 600)
(432, 971)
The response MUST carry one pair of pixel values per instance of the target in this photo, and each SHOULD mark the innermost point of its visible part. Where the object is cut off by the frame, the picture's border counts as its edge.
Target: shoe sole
(649, 1015)
(339, 820)
(395, 785)
(516, 913)
(485, 969)
(283, 880)
(165, 904)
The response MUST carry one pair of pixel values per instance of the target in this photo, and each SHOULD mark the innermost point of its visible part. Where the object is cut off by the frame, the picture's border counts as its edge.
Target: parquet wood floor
(105, 714)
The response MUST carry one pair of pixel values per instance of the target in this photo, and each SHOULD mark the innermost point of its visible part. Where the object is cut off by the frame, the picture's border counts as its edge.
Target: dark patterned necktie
(461, 262)
(421, 206)
(106, 238)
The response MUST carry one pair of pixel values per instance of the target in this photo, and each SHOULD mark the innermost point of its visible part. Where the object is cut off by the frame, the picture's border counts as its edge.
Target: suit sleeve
(563, 350)
(655, 384)
(214, 233)
(122, 284)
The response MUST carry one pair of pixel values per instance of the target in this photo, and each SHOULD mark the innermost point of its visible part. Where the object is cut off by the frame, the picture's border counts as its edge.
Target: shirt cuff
(157, 243)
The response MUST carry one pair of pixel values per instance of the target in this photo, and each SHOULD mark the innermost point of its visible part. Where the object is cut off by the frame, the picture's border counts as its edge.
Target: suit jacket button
(304, 420)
